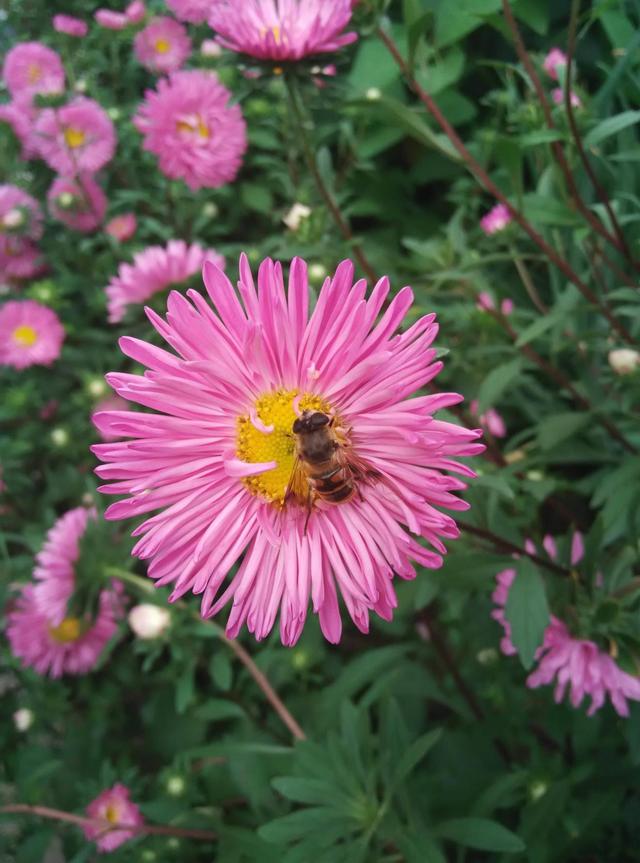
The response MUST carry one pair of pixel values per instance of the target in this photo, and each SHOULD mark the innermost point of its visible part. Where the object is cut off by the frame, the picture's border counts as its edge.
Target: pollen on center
(74, 137)
(66, 632)
(25, 336)
(162, 46)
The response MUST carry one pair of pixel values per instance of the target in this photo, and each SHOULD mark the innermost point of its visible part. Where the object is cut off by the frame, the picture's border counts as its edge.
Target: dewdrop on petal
(624, 361)
(23, 719)
(149, 621)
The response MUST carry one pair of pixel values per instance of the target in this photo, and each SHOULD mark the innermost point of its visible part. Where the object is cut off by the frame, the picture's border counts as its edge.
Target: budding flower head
(555, 60)
(23, 719)
(149, 621)
(373, 94)
(59, 436)
(317, 272)
(66, 200)
(175, 786)
(624, 361)
(495, 220)
(210, 48)
(210, 210)
(96, 387)
(296, 215)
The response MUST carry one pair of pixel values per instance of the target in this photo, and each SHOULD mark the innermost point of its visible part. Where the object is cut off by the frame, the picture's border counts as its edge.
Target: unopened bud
(23, 719)
(66, 200)
(487, 656)
(59, 436)
(175, 786)
(80, 86)
(537, 789)
(149, 621)
(317, 272)
(210, 210)
(624, 361)
(96, 387)
(373, 94)
(296, 215)
(114, 113)
(210, 48)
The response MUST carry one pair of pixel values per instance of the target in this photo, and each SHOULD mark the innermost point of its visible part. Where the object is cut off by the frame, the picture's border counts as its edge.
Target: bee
(325, 467)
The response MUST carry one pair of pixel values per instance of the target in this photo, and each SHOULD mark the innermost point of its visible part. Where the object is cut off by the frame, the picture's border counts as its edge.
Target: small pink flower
(20, 258)
(555, 59)
(31, 68)
(506, 307)
(191, 11)
(78, 202)
(122, 227)
(490, 419)
(20, 114)
(77, 137)
(70, 26)
(190, 125)
(163, 46)
(30, 334)
(111, 20)
(20, 214)
(135, 12)
(288, 30)
(557, 94)
(119, 818)
(153, 270)
(496, 219)
(112, 403)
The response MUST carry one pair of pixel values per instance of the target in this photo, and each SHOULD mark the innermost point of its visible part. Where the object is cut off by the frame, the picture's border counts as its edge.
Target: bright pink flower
(153, 270)
(217, 459)
(111, 20)
(20, 214)
(19, 258)
(490, 419)
(486, 303)
(507, 306)
(30, 334)
(122, 227)
(119, 818)
(163, 46)
(496, 219)
(135, 12)
(555, 59)
(557, 94)
(77, 137)
(111, 403)
(197, 136)
(77, 202)
(20, 114)
(191, 11)
(70, 26)
(282, 29)
(31, 68)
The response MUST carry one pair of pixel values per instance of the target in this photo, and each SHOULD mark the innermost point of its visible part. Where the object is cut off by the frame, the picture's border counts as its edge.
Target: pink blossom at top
(135, 12)
(163, 45)
(191, 11)
(189, 124)
(496, 219)
(282, 29)
(20, 213)
(118, 818)
(31, 68)
(490, 419)
(78, 202)
(557, 94)
(215, 461)
(30, 334)
(77, 137)
(153, 270)
(20, 114)
(111, 20)
(555, 59)
(122, 227)
(70, 26)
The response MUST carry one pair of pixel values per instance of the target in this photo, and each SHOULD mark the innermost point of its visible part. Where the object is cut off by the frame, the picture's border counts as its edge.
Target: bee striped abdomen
(332, 485)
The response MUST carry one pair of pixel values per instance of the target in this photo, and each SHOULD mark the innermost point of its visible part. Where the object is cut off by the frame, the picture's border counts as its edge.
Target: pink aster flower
(153, 270)
(191, 11)
(111, 20)
(118, 819)
(282, 29)
(555, 59)
(30, 334)
(217, 462)
(496, 219)
(70, 26)
(122, 227)
(77, 137)
(557, 94)
(78, 202)
(163, 45)
(20, 214)
(31, 68)
(188, 123)
(21, 115)
(490, 420)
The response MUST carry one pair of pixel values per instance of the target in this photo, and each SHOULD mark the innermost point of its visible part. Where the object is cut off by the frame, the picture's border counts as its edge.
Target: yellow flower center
(162, 46)
(255, 446)
(34, 73)
(66, 632)
(111, 814)
(194, 125)
(25, 336)
(74, 137)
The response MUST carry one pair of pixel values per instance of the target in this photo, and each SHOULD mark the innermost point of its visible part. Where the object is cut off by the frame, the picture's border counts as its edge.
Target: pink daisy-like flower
(77, 202)
(188, 123)
(496, 219)
(21, 115)
(282, 29)
(70, 26)
(30, 334)
(19, 213)
(490, 420)
(122, 227)
(555, 59)
(218, 459)
(557, 94)
(111, 403)
(119, 818)
(153, 270)
(31, 68)
(77, 137)
(163, 45)
(191, 11)
(135, 12)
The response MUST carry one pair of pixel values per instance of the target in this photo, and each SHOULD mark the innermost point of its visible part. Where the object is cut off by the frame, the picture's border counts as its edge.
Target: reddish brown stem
(505, 545)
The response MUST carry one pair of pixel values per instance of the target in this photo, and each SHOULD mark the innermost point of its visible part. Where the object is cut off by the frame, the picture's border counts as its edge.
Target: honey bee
(325, 467)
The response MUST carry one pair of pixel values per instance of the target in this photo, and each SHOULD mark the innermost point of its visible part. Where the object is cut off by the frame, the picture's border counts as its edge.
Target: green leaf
(307, 790)
(496, 382)
(217, 709)
(611, 126)
(545, 210)
(298, 824)
(554, 429)
(412, 757)
(412, 122)
(481, 833)
(185, 688)
(527, 611)
(221, 671)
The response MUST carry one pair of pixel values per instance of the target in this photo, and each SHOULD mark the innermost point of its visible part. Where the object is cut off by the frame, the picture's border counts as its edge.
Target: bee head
(310, 421)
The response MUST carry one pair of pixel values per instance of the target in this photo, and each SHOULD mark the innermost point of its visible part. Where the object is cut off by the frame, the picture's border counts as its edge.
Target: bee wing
(298, 485)
(358, 468)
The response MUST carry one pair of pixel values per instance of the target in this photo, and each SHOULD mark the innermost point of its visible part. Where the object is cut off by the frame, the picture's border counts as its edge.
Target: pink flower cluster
(496, 219)
(555, 62)
(20, 228)
(117, 818)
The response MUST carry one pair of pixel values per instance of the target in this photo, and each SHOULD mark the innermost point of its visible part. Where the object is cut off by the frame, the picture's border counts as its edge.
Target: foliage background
(423, 742)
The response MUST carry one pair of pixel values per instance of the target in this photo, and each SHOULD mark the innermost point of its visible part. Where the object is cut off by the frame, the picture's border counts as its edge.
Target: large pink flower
(188, 123)
(30, 334)
(217, 458)
(119, 818)
(30, 68)
(20, 114)
(77, 202)
(20, 214)
(163, 45)
(153, 270)
(282, 29)
(191, 11)
(77, 137)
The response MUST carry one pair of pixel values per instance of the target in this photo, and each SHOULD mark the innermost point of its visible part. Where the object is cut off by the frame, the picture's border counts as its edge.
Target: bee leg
(309, 506)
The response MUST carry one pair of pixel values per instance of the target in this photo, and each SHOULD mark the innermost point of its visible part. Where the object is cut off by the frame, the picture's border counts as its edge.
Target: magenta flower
(490, 420)
(119, 818)
(557, 94)
(20, 214)
(496, 219)
(77, 202)
(217, 459)
(122, 228)
(282, 29)
(153, 270)
(163, 46)
(135, 12)
(70, 26)
(555, 59)
(20, 115)
(31, 68)
(111, 20)
(30, 334)
(197, 136)
(191, 11)
(77, 137)
(486, 303)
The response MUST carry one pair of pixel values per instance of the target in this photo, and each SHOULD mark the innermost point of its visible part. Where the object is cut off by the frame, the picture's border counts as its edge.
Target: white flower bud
(80, 86)
(59, 436)
(317, 272)
(96, 387)
(210, 48)
(176, 786)
(624, 361)
(210, 210)
(114, 113)
(149, 621)
(23, 719)
(296, 216)
(13, 219)
(373, 94)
